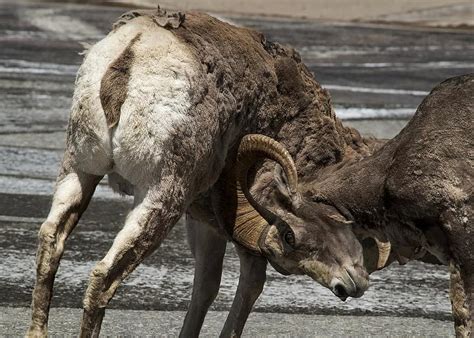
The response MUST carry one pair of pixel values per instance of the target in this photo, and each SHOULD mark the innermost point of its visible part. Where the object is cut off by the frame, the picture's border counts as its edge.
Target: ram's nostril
(340, 291)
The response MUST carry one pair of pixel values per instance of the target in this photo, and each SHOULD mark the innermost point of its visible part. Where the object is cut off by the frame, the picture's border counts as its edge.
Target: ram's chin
(317, 271)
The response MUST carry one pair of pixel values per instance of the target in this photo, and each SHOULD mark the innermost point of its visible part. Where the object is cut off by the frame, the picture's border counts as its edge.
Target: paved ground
(441, 13)
(377, 76)
(64, 322)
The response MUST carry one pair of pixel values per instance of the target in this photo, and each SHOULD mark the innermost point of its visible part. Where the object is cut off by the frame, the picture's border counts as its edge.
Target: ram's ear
(283, 192)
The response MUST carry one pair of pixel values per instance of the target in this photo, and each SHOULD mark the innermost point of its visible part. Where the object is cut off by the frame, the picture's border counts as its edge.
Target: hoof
(35, 332)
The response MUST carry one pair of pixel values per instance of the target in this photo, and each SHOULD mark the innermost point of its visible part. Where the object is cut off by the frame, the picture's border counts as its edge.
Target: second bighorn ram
(164, 106)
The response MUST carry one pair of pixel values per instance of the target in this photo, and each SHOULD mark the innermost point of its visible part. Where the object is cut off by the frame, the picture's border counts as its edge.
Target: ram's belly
(158, 100)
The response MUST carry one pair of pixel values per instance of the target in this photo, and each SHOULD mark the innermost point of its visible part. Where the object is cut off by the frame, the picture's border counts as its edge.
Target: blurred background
(377, 58)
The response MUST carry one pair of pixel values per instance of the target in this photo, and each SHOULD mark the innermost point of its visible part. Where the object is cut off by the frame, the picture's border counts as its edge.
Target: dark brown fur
(417, 177)
(114, 84)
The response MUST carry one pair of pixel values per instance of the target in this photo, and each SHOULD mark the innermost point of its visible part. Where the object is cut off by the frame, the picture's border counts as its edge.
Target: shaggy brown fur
(114, 84)
(414, 179)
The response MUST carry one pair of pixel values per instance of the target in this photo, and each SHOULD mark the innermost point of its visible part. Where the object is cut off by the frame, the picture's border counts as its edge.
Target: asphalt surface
(377, 76)
(126, 323)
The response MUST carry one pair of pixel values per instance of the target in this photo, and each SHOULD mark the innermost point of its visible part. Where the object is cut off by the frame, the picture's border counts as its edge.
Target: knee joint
(207, 297)
(255, 285)
(99, 272)
(212, 290)
(47, 232)
(95, 288)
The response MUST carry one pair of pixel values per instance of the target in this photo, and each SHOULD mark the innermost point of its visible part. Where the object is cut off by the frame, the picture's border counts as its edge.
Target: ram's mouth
(349, 284)
(340, 292)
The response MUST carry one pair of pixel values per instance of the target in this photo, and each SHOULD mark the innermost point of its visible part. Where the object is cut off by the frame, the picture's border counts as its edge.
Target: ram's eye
(289, 238)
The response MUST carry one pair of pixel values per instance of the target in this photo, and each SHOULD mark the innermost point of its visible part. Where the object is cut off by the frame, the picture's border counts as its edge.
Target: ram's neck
(298, 112)
(321, 146)
(356, 186)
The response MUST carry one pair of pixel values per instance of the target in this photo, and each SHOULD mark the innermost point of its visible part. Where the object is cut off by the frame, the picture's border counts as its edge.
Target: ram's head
(297, 236)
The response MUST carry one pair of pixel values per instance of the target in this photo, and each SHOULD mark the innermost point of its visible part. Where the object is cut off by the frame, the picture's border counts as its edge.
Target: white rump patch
(158, 100)
(91, 142)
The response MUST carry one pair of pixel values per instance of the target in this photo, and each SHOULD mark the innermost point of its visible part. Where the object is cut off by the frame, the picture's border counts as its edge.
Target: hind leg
(208, 248)
(145, 228)
(71, 197)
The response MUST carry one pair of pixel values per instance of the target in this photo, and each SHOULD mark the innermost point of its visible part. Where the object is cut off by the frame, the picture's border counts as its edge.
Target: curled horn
(384, 253)
(252, 220)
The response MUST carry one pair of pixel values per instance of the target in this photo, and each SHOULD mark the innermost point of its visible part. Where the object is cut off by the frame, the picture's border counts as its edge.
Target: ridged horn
(252, 219)
(384, 253)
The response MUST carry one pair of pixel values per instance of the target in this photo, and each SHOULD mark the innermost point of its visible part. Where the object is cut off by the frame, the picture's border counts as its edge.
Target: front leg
(459, 226)
(251, 281)
(208, 248)
(459, 304)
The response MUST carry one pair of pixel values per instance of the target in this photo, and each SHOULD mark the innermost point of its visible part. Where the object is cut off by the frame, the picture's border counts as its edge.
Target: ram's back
(147, 94)
(433, 163)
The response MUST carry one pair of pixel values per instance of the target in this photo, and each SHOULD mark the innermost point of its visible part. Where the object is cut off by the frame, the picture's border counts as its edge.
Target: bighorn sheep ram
(174, 110)
(164, 106)
(415, 194)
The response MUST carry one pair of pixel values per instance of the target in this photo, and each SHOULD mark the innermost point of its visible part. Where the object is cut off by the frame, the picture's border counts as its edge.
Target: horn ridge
(253, 220)
(256, 146)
